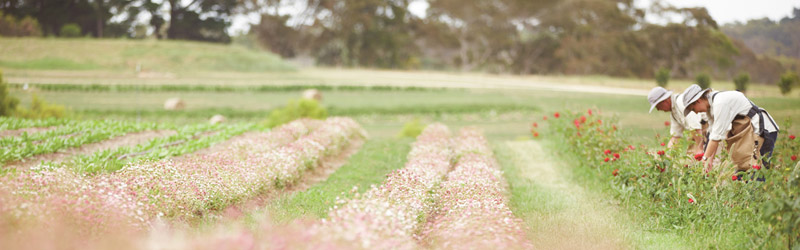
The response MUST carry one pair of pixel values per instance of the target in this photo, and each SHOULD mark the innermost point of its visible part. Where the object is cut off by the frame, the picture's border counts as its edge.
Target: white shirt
(678, 122)
(724, 108)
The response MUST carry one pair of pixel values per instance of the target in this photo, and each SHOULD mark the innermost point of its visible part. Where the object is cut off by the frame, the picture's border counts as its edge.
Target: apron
(742, 143)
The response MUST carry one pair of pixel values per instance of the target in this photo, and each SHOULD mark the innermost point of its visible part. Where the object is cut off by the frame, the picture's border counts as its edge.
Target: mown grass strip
(376, 159)
(63, 87)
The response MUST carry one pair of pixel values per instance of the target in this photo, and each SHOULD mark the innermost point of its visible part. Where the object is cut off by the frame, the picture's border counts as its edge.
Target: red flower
(791, 137)
(631, 147)
(556, 115)
(614, 127)
(662, 169)
(616, 155)
(544, 118)
(608, 151)
(690, 200)
(661, 152)
(590, 111)
(756, 167)
(535, 134)
(606, 159)
(535, 125)
(599, 121)
(794, 157)
(698, 156)
(615, 172)
(663, 144)
(734, 177)
(583, 119)
(666, 123)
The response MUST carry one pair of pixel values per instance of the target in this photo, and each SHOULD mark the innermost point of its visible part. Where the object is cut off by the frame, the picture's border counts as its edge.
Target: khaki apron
(742, 143)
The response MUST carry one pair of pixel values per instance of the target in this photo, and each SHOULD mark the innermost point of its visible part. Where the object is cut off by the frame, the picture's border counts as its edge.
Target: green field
(245, 86)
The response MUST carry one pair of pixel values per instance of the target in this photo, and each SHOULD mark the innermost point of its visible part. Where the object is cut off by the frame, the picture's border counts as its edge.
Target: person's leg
(767, 147)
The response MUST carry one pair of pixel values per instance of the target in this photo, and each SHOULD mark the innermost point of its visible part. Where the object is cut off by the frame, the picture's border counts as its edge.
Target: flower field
(759, 207)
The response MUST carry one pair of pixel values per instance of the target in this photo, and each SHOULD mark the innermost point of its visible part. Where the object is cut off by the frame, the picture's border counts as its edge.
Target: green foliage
(412, 129)
(70, 30)
(296, 109)
(10, 26)
(40, 109)
(8, 104)
(70, 135)
(741, 81)
(703, 80)
(662, 77)
(788, 79)
(189, 139)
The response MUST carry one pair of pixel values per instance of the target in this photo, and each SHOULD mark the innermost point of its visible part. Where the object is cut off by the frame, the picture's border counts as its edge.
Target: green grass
(125, 55)
(577, 199)
(376, 159)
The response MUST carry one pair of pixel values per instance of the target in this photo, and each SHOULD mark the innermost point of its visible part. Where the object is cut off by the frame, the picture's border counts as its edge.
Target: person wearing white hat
(664, 100)
(749, 131)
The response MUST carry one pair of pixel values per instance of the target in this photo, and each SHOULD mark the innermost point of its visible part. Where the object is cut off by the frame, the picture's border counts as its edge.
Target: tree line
(609, 37)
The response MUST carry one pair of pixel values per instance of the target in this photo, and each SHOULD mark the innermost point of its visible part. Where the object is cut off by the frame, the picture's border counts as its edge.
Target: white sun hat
(657, 95)
(691, 95)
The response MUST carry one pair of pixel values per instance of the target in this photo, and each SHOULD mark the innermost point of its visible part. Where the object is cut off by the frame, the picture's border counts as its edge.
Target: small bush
(741, 82)
(70, 30)
(41, 109)
(787, 80)
(703, 80)
(296, 109)
(8, 104)
(662, 77)
(411, 129)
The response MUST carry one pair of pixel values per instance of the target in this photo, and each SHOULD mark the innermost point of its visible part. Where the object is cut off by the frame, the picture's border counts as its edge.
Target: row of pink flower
(141, 192)
(471, 211)
(387, 216)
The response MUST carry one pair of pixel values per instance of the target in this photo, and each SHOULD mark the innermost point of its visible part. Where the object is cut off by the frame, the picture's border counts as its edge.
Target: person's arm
(709, 154)
(672, 141)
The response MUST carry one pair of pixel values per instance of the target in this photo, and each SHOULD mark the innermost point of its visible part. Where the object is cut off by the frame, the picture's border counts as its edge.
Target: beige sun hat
(691, 95)
(657, 95)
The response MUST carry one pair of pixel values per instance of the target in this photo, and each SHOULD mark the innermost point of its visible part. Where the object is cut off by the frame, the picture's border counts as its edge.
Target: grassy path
(562, 214)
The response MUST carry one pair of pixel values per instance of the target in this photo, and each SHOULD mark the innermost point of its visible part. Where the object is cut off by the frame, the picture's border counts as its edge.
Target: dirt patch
(130, 139)
(575, 218)
(18, 132)
(327, 166)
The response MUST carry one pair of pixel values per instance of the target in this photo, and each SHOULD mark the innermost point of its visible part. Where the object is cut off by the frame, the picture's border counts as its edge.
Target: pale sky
(723, 11)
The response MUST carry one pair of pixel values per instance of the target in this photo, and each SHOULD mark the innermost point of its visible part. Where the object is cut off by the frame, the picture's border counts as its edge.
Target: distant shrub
(411, 129)
(741, 82)
(787, 80)
(8, 104)
(70, 30)
(703, 80)
(295, 109)
(662, 77)
(41, 109)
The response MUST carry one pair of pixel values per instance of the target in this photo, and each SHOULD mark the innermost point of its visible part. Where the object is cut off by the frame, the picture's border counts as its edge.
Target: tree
(662, 77)
(788, 79)
(741, 82)
(703, 80)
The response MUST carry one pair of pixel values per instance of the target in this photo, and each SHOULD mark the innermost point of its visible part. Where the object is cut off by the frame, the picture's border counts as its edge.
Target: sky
(723, 11)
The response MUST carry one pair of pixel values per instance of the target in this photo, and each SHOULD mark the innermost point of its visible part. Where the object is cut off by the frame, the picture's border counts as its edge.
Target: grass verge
(376, 159)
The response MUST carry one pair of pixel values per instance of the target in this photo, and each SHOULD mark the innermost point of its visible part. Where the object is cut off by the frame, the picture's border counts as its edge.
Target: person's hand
(709, 165)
